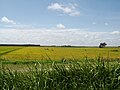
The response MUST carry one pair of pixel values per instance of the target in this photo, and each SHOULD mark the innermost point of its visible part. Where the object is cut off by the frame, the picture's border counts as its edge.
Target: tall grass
(82, 75)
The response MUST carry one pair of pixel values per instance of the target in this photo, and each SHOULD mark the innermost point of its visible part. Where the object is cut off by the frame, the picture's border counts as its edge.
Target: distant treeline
(49, 46)
(19, 45)
(43, 45)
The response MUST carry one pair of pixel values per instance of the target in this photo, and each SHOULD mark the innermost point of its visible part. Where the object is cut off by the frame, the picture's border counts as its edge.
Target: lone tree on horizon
(102, 45)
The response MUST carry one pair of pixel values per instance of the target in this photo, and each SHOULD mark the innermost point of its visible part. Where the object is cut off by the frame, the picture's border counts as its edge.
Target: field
(59, 68)
(56, 53)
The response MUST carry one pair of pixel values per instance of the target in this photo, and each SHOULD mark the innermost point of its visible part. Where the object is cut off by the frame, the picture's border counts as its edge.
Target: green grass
(59, 68)
(81, 75)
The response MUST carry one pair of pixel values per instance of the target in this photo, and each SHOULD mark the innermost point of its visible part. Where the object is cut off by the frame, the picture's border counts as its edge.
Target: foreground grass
(80, 75)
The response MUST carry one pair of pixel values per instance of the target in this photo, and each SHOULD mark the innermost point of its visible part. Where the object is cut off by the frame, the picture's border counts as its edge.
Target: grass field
(55, 53)
(59, 68)
(86, 75)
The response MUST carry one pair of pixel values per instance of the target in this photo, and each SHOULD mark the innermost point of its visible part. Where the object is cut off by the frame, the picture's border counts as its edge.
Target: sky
(60, 22)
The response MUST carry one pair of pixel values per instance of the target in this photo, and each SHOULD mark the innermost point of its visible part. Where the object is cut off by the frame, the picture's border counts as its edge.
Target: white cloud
(76, 13)
(60, 26)
(70, 10)
(57, 37)
(7, 21)
(115, 32)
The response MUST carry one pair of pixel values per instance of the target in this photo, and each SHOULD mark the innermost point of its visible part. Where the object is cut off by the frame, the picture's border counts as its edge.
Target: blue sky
(78, 22)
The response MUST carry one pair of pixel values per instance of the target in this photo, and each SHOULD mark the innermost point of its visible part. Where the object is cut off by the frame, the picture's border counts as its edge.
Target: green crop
(81, 75)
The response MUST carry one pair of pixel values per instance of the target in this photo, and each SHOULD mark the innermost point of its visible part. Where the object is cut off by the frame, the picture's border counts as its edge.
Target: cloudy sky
(60, 22)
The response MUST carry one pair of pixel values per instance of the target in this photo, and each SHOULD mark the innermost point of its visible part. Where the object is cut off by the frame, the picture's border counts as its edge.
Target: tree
(102, 45)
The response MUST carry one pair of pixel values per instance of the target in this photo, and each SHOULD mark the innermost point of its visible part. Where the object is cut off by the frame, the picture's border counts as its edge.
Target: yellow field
(56, 53)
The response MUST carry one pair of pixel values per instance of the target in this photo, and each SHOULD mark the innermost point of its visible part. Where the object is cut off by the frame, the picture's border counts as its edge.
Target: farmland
(59, 68)
(56, 53)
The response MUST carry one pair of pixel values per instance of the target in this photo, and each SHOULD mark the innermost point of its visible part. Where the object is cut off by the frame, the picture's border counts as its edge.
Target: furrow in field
(9, 51)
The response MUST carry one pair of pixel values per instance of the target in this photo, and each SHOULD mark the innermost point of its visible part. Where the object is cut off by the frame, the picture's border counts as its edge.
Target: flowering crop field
(15, 53)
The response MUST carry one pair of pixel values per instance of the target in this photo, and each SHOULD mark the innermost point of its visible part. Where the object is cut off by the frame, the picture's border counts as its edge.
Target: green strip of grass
(82, 75)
